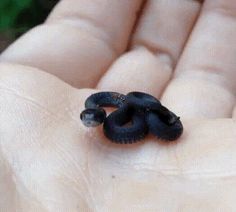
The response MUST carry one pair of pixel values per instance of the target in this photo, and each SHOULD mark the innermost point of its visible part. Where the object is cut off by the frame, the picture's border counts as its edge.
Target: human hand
(50, 162)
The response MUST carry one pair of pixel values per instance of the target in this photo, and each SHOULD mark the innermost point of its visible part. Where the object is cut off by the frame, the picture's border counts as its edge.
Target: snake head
(92, 117)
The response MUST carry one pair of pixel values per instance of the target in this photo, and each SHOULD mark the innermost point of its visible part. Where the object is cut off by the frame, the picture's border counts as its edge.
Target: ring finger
(205, 80)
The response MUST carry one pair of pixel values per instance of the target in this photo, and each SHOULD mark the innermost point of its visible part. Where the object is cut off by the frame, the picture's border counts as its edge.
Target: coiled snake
(137, 114)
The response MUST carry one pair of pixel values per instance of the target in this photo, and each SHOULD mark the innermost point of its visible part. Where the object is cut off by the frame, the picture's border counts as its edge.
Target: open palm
(183, 52)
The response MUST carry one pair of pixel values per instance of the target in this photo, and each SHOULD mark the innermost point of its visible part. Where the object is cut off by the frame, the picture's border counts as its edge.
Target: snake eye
(93, 117)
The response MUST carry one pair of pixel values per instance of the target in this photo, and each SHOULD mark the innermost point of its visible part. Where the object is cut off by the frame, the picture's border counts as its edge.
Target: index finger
(79, 40)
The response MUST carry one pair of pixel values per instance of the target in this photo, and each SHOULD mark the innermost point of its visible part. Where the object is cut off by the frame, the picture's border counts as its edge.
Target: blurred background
(18, 16)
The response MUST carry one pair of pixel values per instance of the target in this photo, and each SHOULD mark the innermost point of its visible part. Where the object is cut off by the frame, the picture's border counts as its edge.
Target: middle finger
(156, 46)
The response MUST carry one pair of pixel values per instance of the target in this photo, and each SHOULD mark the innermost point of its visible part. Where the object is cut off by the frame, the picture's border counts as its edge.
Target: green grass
(18, 16)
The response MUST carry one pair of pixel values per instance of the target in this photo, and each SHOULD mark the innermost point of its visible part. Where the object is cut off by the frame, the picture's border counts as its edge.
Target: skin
(182, 52)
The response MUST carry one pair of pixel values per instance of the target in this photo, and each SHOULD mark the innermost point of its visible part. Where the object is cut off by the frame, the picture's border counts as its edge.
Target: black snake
(137, 114)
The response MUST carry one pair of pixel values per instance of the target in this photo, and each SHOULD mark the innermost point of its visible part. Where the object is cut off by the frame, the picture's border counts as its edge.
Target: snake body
(137, 114)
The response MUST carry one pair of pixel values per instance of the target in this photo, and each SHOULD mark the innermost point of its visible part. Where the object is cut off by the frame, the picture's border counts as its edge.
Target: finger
(205, 81)
(79, 40)
(156, 47)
